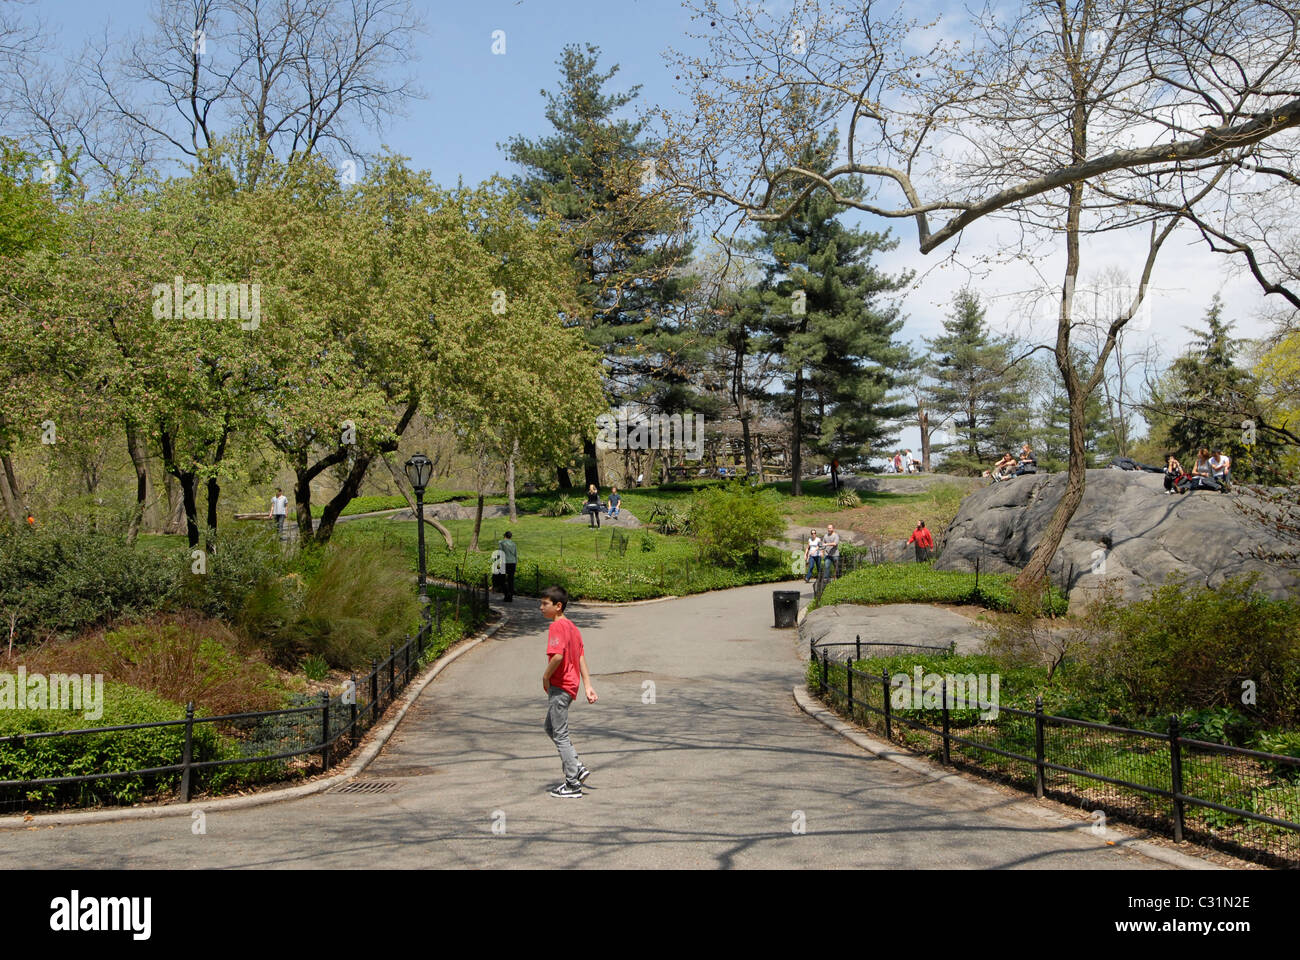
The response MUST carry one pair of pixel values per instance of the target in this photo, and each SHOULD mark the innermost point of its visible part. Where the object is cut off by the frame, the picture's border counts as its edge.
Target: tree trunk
(925, 439)
(562, 478)
(478, 523)
(347, 492)
(15, 491)
(135, 447)
(11, 505)
(214, 488)
(175, 506)
(510, 482)
(749, 446)
(590, 465)
(1035, 572)
(796, 437)
(189, 502)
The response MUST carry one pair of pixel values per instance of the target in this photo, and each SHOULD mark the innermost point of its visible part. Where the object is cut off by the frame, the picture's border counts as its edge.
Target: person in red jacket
(923, 539)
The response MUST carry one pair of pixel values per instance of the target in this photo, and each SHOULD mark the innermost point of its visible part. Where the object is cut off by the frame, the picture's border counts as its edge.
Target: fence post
(824, 669)
(374, 690)
(858, 645)
(848, 679)
(943, 692)
(1039, 753)
(977, 573)
(1176, 769)
(392, 672)
(325, 731)
(884, 686)
(352, 723)
(406, 661)
(187, 752)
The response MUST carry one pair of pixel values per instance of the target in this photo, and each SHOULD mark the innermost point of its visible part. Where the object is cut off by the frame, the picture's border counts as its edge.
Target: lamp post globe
(419, 470)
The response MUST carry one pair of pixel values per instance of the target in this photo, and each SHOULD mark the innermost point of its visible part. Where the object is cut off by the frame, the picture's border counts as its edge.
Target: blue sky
(476, 98)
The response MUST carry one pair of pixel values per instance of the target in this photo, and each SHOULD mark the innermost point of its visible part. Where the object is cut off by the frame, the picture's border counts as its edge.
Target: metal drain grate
(369, 786)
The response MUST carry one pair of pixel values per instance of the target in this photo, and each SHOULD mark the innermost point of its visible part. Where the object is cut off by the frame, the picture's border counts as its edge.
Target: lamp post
(418, 470)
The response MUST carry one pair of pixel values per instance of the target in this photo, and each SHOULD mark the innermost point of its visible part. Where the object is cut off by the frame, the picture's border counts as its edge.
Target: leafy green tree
(972, 380)
(587, 176)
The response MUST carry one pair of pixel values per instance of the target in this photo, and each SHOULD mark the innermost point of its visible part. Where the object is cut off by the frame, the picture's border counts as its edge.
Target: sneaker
(583, 774)
(567, 789)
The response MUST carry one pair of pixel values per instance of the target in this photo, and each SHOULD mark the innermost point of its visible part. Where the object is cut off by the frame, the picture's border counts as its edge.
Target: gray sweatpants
(557, 728)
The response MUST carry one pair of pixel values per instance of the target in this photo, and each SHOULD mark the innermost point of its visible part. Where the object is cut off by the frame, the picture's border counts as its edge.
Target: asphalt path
(700, 759)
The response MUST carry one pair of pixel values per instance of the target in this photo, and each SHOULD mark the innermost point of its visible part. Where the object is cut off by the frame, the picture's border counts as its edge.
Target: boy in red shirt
(565, 664)
(924, 540)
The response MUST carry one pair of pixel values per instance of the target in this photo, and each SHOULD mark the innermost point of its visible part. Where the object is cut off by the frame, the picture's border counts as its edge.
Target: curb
(368, 753)
(1108, 837)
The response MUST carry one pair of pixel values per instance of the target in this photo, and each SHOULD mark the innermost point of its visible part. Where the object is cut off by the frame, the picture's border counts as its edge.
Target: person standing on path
(831, 551)
(924, 540)
(510, 557)
(279, 507)
(566, 663)
(812, 556)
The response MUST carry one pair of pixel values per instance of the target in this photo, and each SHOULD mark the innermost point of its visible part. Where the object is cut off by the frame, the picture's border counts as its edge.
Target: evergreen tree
(971, 380)
(821, 310)
(1206, 400)
(588, 175)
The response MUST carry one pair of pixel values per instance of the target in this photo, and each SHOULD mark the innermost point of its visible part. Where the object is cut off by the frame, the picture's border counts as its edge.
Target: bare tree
(1067, 118)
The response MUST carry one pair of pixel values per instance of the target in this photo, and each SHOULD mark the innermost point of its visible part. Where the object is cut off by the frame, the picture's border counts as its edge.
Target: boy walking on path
(279, 507)
(565, 665)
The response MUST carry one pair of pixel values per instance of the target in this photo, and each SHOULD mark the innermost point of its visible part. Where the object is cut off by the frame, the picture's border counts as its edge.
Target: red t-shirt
(564, 638)
(922, 537)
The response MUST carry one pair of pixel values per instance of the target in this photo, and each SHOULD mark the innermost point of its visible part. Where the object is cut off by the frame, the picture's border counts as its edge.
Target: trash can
(498, 583)
(785, 607)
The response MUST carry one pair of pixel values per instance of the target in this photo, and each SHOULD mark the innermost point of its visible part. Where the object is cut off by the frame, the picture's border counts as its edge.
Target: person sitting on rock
(1027, 462)
(1202, 466)
(1221, 467)
(1173, 473)
(1002, 469)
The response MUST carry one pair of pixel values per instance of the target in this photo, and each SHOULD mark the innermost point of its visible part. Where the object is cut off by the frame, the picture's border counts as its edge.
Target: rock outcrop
(1127, 529)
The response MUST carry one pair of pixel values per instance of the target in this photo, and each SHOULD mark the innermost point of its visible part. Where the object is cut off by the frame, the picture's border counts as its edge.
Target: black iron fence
(1243, 801)
(198, 753)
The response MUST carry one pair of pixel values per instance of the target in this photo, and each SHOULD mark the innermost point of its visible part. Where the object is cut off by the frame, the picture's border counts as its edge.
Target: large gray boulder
(1127, 529)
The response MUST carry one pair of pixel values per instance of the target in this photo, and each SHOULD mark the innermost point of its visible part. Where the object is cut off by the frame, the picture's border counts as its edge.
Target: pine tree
(1207, 401)
(972, 381)
(588, 175)
(821, 309)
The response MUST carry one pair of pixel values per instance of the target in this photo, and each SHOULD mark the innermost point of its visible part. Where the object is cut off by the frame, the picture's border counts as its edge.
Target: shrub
(648, 542)
(559, 507)
(103, 752)
(57, 579)
(176, 658)
(848, 499)
(315, 667)
(359, 601)
(243, 559)
(732, 522)
(1196, 648)
(921, 583)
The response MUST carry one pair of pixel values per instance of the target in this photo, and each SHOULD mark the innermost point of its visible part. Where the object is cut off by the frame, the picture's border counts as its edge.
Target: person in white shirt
(1220, 467)
(812, 555)
(279, 507)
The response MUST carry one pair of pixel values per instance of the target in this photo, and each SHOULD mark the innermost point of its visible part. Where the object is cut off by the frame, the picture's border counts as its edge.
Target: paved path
(713, 773)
